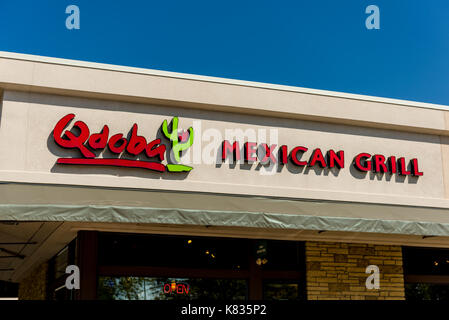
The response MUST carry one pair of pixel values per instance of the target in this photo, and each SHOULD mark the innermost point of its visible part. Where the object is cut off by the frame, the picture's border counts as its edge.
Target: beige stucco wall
(28, 119)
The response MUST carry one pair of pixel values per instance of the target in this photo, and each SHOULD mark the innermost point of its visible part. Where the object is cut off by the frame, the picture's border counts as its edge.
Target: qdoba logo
(136, 145)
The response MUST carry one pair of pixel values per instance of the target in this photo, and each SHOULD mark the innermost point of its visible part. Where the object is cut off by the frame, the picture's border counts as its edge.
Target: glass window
(8, 289)
(426, 272)
(281, 290)
(173, 251)
(141, 266)
(149, 288)
(428, 261)
(426, 291)
(279, 255)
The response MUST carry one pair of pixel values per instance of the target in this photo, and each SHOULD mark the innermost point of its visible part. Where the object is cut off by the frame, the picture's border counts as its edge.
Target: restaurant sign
(117, 144)
(151, 154)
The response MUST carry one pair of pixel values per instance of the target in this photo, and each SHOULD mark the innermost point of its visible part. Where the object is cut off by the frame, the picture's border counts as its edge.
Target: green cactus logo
(179, 143)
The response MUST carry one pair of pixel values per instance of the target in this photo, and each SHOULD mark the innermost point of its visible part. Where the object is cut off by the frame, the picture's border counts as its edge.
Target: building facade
(160, 185)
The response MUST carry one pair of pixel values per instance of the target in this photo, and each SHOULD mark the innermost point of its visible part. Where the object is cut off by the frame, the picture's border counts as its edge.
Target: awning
(30, 202)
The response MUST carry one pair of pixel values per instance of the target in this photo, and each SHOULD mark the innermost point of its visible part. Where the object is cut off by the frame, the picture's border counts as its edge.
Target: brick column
(337, 271)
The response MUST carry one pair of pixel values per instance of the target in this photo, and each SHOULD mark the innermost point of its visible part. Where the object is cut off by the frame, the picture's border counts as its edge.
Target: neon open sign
(176, 288)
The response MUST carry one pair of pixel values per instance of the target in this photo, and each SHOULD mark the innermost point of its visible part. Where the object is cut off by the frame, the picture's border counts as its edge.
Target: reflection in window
(426, 272)
(426, 291)
(173, 251)
(205, 267)
(281, 255)
(428, 261)
(148, 288)
(280, 290)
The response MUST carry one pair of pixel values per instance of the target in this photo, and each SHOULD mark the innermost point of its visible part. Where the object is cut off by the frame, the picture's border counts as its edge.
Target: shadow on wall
(269, 167)
(383, 176)
(317, 170)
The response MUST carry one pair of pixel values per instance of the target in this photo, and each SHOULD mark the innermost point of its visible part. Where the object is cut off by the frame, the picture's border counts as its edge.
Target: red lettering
(250, 151)
(379, 163)
(73, 141)
(416, 171)
(294, 156)
(99, 140)
(117, 138)
(57, 132)
(317, 156)
(153, 151)
(283, 155)
(268, 157)
(361, 163)
(136, 143)
(226, 147)
(336, 159)
(403, 167)
(392, 163)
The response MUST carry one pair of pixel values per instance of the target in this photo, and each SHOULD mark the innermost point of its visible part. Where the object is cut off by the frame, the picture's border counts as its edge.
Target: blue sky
(313, 44)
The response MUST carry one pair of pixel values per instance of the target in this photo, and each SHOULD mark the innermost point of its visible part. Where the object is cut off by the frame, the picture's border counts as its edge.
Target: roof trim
(176, 75)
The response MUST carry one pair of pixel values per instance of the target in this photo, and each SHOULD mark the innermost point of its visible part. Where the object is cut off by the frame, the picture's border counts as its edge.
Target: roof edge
(228, 81)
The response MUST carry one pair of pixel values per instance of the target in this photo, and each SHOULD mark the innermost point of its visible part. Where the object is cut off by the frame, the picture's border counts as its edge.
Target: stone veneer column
(337, 271)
